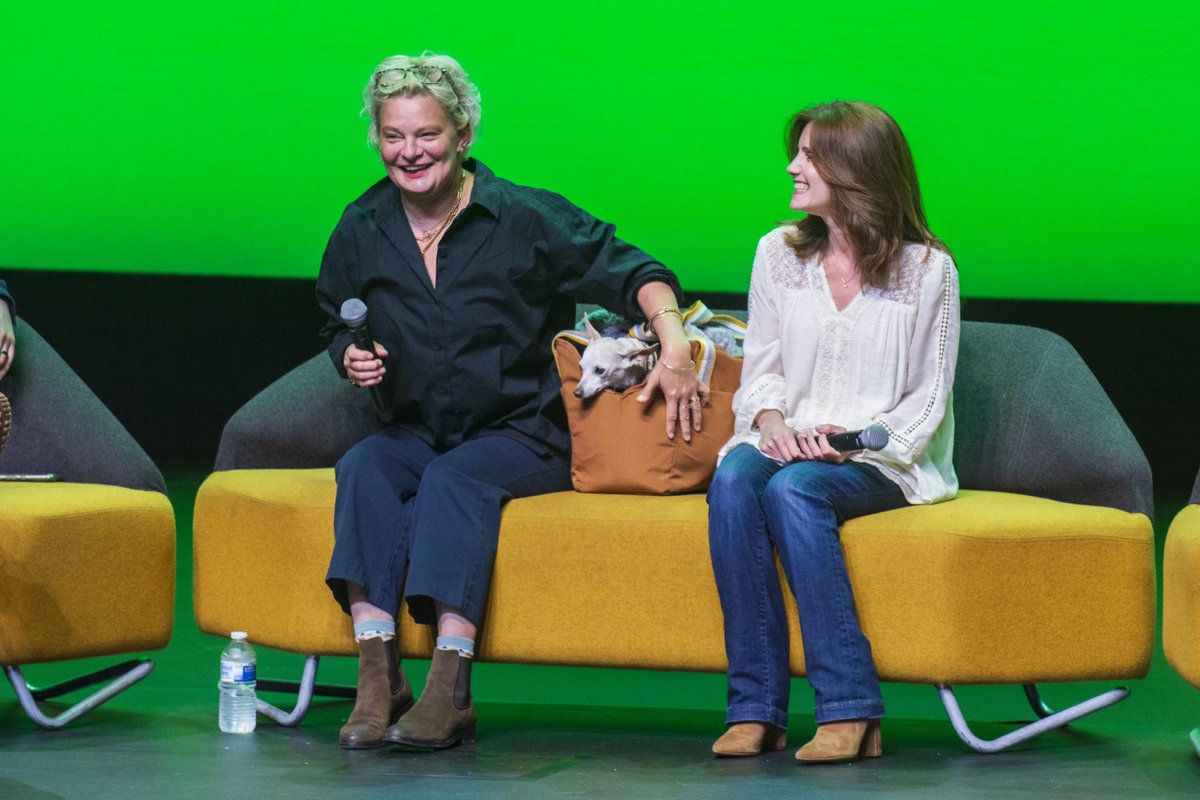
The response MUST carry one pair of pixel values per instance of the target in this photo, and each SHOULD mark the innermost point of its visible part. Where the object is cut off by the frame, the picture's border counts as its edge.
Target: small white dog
(610, 362)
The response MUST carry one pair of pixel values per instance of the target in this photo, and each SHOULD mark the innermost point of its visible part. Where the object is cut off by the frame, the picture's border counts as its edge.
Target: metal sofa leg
(1049, 720)
(1036, 702)
(119, 676)
(304, 691)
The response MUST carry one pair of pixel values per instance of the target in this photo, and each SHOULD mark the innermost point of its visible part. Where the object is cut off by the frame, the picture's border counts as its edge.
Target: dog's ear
(588, 328)
(634, 348)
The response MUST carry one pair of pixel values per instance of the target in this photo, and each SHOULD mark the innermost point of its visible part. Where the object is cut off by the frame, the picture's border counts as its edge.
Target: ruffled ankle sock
(464, 646)
(375, 628)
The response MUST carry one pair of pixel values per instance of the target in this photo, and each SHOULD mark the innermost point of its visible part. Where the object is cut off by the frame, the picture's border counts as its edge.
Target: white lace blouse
(888, 358)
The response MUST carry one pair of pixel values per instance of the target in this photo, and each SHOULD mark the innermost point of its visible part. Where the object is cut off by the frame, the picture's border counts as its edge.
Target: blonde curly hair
(453, 91)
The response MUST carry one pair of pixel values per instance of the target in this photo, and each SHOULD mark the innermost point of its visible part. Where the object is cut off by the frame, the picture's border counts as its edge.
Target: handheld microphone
(354, 315)
(872, 437)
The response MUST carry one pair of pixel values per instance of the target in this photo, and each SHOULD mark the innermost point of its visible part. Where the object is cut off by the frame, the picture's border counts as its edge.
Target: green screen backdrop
(1056, 142)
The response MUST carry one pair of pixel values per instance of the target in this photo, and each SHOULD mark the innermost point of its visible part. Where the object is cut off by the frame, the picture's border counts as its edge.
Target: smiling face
(419, 146)
(810, 193)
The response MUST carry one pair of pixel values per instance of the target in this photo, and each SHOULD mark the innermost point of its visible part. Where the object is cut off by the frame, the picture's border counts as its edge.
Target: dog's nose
(579, 391)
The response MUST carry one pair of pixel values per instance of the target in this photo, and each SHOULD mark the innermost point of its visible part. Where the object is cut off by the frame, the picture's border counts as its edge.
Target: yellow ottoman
(1181, 599)
(85, 570)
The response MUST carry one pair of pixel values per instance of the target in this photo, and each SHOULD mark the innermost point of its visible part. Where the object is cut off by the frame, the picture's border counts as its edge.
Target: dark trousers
(413, 522)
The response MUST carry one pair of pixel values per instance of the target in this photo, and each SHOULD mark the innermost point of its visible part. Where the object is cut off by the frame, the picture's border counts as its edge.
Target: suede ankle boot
(445, 715)
(837, 742)
(750, 739)
(383, 694)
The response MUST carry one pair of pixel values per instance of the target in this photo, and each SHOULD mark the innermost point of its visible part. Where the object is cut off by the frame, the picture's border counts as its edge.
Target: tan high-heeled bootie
(750, 739)
(848, 740)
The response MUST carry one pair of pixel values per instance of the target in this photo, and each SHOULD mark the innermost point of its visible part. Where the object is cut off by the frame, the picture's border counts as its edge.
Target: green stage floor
(572, 732)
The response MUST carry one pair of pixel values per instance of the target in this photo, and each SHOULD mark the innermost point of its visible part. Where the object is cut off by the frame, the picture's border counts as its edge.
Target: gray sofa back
(60, 426)
(1030, 418)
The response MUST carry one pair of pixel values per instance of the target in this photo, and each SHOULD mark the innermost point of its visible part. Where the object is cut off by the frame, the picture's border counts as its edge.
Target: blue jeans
(753, 503)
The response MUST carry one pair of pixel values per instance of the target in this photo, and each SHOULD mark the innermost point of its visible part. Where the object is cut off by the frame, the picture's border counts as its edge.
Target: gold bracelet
(665, 310)
(691, 366)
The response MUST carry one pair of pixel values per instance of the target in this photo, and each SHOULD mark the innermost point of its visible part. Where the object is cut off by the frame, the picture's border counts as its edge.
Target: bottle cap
(237, 636)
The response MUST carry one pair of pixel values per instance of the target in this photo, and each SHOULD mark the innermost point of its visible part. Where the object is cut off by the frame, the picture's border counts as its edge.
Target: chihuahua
(610, 362)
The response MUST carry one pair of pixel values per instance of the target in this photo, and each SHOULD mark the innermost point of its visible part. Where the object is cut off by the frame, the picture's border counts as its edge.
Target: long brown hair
(860, 151)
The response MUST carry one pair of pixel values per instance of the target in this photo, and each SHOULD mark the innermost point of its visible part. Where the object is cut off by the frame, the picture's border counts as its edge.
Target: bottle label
(237, 672)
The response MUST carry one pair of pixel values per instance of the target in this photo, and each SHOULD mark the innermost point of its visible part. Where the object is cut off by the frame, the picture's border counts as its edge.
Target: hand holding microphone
(785, 444)
(354, 316)
(872, 437)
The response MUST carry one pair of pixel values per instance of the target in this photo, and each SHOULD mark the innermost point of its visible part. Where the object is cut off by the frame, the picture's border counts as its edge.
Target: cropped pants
(410, 521)
(756, 503)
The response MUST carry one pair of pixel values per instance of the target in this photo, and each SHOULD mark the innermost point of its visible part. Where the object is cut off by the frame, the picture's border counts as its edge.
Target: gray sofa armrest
(60, 426)
(306, 419)
(1031, 418)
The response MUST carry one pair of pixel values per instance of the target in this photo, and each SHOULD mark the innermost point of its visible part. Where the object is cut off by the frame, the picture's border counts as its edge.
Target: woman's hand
(364, 368)
(674, 374)
(775, 439)
(684, 392)
(8, 342)
(779, 441)
(814, 444)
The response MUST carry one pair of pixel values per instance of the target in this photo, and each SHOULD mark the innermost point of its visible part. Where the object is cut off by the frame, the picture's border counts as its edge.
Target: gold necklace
(845, 281)
(430, 236)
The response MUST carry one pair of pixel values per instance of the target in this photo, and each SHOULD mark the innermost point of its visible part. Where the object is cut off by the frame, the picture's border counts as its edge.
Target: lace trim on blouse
(835, 353)
(906, 436)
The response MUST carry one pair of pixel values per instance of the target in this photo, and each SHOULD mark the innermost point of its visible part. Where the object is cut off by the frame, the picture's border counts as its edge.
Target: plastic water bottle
(238, 680)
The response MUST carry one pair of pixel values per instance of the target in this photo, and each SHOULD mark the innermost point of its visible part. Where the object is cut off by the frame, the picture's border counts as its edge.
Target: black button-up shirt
(473, 355)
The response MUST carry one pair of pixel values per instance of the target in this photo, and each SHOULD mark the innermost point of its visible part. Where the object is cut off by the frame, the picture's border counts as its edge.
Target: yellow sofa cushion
(261, 542)
(85, 570)
(989, 587)
(1181, 594)
(994, 587)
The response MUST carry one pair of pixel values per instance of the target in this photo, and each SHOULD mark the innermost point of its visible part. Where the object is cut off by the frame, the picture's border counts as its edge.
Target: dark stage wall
(174, 356)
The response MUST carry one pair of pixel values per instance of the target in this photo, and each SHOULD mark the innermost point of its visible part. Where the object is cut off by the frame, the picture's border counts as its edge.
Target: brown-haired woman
(853, 322)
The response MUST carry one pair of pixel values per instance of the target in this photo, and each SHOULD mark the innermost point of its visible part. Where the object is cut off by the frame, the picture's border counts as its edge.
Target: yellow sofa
(1035, 573)
(1181, 595)
(87, 562)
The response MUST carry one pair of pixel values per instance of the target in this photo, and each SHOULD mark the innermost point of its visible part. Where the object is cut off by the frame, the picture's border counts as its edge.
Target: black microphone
(354, 315)
(872, 437)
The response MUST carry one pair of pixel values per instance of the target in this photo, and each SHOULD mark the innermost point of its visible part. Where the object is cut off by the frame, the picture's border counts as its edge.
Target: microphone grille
(874, 437)
(354, 312)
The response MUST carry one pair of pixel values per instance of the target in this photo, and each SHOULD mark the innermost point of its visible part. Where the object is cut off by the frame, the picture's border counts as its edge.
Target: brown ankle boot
(445, 715)
(837, 742)
(383, 694)
(750, 739)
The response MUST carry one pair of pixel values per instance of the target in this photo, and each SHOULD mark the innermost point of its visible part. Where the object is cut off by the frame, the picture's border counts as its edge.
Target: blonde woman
(466, 277)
